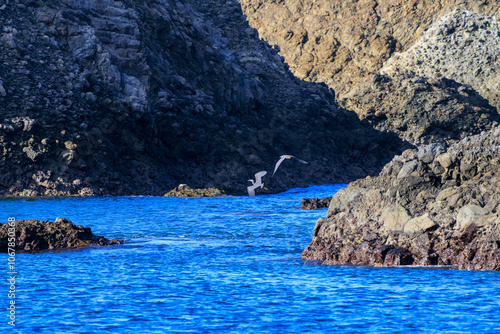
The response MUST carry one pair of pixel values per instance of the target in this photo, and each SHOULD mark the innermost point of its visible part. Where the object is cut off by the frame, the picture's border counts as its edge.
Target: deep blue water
(229, 264)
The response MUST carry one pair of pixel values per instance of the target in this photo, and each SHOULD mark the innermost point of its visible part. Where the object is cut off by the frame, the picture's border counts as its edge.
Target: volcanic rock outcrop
(33, 235)
(126, 97)
(343, 43)
(434, 206)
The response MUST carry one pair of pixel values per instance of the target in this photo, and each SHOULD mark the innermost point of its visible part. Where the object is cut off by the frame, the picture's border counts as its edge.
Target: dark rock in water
(183, 190)
(315, 203)
(436, 206)
(33, 235)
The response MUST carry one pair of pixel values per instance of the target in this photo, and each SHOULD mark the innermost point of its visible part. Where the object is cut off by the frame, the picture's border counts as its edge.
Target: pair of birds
(259, 175)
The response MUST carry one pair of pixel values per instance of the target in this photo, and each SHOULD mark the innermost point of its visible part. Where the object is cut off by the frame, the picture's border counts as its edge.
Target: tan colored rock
(395, 217)
(419, 224)
(183, 190)
(69, 145)
(471, 214)
(445, 160)
(343, 199)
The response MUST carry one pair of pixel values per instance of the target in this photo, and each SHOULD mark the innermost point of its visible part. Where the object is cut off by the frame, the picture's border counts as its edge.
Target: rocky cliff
(125, 97)
(343, 43)
(434, 206)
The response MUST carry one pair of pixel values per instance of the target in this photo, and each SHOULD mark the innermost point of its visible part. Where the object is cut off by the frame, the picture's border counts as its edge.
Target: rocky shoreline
(432, 206)
(36, 235)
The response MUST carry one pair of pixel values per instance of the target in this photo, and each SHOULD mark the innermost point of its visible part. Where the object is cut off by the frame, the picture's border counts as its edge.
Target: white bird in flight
(283, 157)
(257, 183)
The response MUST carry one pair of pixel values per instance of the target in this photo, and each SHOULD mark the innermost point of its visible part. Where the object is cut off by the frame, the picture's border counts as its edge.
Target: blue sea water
(229, 265)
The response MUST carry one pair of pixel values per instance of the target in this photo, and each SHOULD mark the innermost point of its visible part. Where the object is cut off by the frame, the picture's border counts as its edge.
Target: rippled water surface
(229, 264)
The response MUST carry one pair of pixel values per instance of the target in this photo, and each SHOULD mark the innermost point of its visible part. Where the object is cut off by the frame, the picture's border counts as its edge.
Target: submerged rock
(33, 235)
(444, 210)
(315, 203)
(183, 190)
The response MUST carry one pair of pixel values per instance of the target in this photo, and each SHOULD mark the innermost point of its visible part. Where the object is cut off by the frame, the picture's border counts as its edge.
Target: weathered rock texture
(127, 97)
(434, 206)
(33, 235)
(315, 203)
(461, 46)
(343, 43)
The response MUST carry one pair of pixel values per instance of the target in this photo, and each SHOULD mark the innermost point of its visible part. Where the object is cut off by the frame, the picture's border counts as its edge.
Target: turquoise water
(231, 265)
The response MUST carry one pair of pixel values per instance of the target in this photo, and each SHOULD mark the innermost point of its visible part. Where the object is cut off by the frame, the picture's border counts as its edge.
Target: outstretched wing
(251, 191)
(258, 177)
(283, 157)
(304, 162)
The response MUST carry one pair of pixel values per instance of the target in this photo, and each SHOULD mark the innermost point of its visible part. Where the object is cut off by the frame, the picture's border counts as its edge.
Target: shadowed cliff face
(343, 43)
(134, 98)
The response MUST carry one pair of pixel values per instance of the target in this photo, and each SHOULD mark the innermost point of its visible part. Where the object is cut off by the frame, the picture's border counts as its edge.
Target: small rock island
(35, 235)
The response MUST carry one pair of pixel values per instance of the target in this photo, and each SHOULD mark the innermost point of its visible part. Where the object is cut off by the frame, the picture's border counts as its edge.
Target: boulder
(419, 224)
(394, 218)
(470, 214)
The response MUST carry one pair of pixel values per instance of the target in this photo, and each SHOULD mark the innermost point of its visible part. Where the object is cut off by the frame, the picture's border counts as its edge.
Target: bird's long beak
(266, 188)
